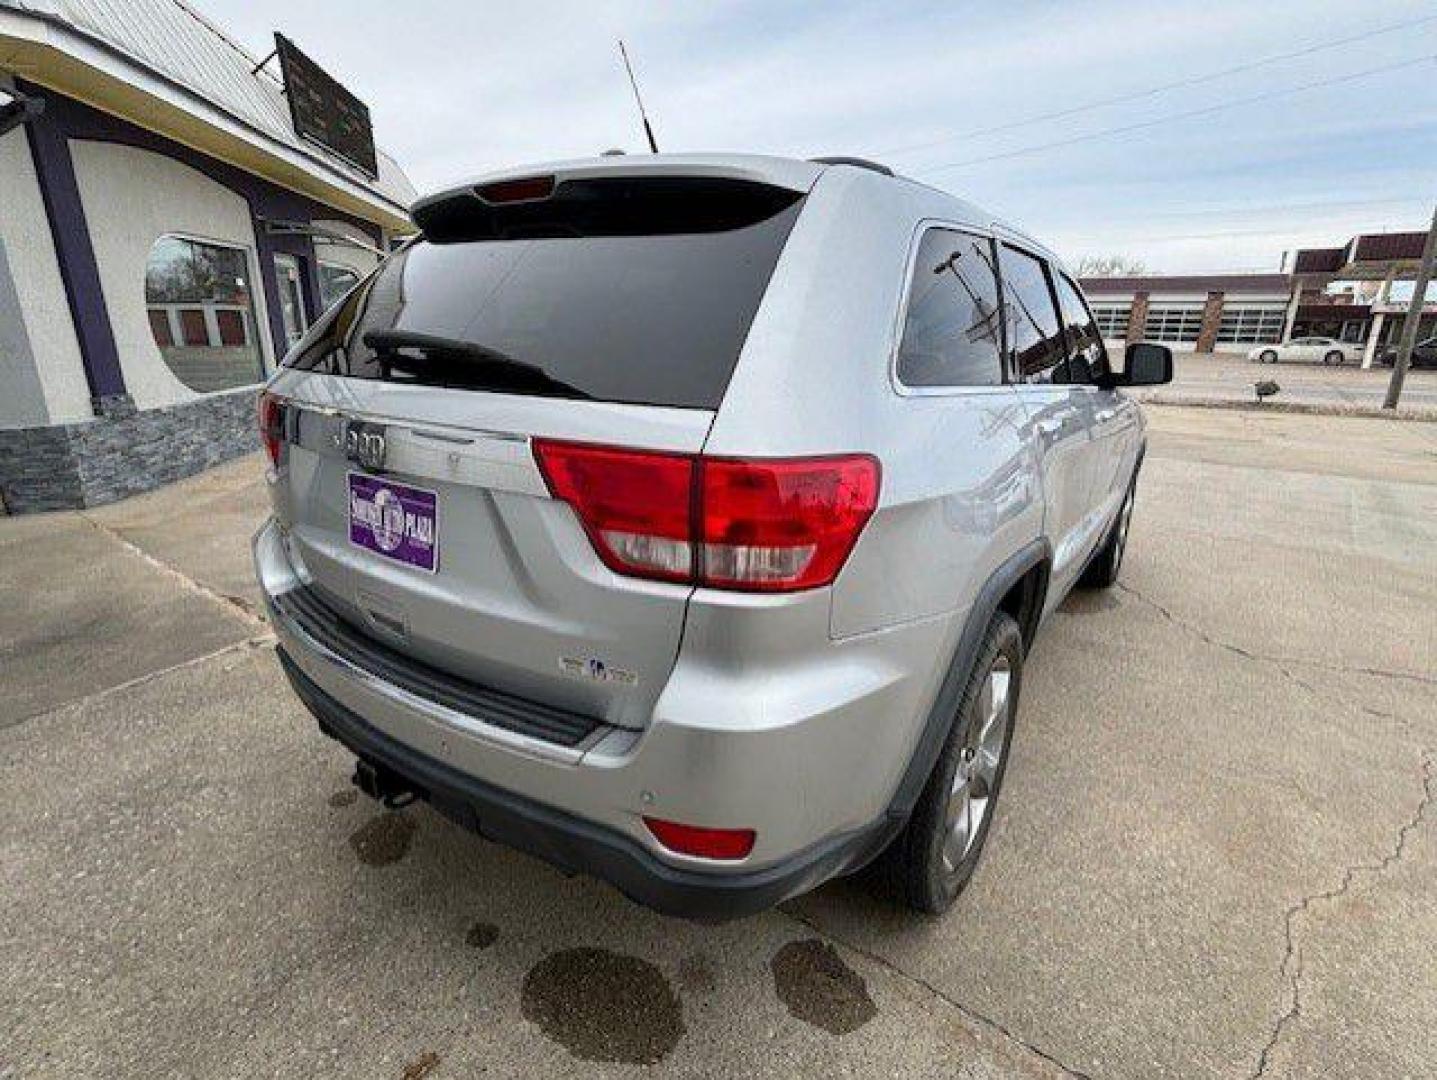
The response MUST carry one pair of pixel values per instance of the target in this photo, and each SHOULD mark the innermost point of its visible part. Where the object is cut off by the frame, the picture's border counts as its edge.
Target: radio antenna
(648, 130)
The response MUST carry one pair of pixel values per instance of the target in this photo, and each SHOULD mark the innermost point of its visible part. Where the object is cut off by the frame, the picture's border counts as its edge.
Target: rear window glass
(950, 331)
(613, 304)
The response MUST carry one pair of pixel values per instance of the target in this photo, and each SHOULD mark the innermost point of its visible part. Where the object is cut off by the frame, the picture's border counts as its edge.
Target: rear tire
(932, 860)
(1333, 358)
(1268, 357)
(1102, 571)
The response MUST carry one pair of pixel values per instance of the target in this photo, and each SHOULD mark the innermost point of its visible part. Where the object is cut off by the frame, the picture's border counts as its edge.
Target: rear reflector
(700, 841)
(763, 524)
(271, 425)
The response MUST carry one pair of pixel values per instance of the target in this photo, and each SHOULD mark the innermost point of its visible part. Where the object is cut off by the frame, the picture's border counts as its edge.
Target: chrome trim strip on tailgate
(498, 717)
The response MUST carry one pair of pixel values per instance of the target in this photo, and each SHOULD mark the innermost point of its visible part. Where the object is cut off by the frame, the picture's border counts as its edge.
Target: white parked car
(1326, 349)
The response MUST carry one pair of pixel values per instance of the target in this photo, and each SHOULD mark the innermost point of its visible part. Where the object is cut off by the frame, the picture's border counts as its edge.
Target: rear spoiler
(616, 196)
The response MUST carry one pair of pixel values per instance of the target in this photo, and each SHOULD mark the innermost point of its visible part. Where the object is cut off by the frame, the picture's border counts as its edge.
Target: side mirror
(1146, 364)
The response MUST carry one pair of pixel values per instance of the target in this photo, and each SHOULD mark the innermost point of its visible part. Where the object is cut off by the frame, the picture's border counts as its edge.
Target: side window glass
(1087, 358)
(1033, 328)
(950, 330)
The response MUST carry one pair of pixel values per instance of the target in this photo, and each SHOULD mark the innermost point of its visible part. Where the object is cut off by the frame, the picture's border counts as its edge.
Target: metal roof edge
(62, 37)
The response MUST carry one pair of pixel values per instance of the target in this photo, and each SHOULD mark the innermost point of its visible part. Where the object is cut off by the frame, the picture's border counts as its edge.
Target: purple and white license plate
(394, 520)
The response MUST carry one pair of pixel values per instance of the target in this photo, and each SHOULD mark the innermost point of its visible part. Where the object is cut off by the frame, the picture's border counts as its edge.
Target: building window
(201, 312)
(1112, 319)
(334, 282)
(1255, 324)
(1177, 323)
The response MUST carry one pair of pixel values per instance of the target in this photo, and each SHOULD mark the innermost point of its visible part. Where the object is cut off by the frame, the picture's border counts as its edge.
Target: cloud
(456, 88)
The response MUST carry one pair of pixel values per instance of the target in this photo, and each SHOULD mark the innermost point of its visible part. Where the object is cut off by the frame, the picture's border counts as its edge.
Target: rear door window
(951, 335)
(616, 291)
(1034, 336)
(1087, 357)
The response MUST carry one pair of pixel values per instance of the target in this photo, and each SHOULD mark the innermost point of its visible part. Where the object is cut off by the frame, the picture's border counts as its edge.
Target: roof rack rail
(857, 162)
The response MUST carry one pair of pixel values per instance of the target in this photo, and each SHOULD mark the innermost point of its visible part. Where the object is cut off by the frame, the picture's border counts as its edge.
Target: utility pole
(1414, 316)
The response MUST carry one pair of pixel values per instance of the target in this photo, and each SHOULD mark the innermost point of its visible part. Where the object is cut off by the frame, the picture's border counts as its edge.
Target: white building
(165, 235)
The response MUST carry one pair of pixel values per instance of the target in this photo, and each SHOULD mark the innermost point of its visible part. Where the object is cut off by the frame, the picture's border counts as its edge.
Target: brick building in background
(1357, 293)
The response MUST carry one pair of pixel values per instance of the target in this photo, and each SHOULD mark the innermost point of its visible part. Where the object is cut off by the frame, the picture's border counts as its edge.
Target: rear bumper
(805, 745)
(581, 846)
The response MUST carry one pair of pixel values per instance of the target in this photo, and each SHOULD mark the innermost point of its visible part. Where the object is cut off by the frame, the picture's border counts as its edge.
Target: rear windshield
(623, 291)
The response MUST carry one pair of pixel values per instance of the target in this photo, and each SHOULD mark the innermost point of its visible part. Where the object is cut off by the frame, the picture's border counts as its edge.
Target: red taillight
(271, 425)
(786, 524)
(767, 525)
(703, 842)
(634, 504)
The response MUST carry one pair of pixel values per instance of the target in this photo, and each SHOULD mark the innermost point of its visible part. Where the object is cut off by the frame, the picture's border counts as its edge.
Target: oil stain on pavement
(343, 797)
(603, 1006)
(383, 840)
(481, 935)
(421, 1066)
(819, 988)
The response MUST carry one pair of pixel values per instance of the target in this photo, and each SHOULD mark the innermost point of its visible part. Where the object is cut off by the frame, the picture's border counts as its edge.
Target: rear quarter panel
(958, 493)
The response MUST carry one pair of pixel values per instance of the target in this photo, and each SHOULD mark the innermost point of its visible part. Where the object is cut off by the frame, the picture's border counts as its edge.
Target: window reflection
(201, 313)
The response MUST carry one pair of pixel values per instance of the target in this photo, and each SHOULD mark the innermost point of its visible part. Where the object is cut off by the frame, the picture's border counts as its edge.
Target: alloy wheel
(975, 780)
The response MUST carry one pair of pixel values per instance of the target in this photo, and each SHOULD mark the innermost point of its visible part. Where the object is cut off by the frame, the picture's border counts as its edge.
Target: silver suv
(684, 520)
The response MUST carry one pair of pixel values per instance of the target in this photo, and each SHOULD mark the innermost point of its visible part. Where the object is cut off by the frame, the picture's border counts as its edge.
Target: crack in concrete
(1292, 961)
(259, 641)
(1284, 663)
(968, 1012)
(237, 604)
(1277, 661)
(1292, 957)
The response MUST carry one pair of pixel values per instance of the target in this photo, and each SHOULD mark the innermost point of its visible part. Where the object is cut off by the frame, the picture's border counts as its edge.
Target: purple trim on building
(71, 119)
(55, 171)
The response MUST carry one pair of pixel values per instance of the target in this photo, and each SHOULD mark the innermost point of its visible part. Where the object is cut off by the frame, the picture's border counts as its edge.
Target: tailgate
(593, 309)
(474, 568)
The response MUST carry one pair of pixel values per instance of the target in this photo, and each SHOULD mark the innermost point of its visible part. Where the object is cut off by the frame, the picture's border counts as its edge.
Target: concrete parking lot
(1215, 855)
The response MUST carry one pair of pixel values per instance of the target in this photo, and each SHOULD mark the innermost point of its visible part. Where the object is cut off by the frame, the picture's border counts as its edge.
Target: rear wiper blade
(484, 368)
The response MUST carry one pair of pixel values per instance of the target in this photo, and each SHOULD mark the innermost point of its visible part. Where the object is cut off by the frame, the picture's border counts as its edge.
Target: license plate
(394, 520)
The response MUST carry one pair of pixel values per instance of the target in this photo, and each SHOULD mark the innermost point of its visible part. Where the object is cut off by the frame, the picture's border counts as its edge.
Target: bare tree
(1110, 266)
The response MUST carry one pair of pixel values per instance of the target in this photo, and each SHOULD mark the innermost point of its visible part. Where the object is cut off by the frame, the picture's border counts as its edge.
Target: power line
(1188, 115)
(1263, 208)
(1269, 230)
(1162, 88)
(1216, 235)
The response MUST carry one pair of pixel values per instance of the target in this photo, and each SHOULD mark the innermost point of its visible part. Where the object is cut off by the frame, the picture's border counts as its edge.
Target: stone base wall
(122, 451)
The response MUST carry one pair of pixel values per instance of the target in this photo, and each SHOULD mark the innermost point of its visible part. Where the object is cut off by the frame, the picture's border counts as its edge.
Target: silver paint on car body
(792, 713)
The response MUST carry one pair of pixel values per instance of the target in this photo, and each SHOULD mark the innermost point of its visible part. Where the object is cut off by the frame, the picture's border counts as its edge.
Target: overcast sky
(456, 87)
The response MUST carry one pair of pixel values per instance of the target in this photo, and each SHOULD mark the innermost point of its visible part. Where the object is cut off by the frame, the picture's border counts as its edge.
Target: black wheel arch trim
(943, 713)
